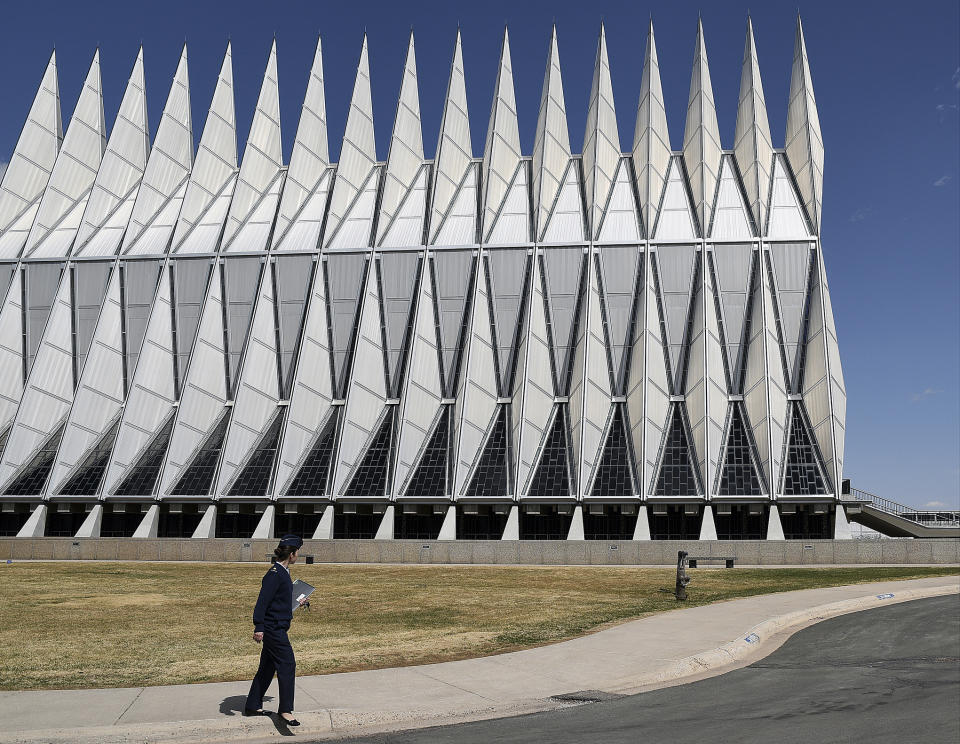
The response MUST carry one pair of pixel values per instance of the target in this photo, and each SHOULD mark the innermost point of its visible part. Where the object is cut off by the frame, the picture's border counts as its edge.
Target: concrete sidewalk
(657, 651)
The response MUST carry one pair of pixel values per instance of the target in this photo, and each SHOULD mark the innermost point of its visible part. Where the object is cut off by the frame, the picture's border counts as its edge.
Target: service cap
(292, 541)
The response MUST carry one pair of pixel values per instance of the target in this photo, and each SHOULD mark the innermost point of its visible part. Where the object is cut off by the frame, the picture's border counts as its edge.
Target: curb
(754, 644)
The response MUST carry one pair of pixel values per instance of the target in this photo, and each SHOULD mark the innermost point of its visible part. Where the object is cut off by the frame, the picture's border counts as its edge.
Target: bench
(692, 561)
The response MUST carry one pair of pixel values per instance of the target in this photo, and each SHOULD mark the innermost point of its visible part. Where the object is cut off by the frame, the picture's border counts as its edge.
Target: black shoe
(251, 712)
(288, 721)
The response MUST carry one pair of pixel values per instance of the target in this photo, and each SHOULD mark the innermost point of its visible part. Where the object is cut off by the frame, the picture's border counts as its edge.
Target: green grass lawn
(91, 624)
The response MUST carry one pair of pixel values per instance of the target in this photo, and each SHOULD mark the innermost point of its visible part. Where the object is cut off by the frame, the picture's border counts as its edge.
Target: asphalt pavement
(888, 675)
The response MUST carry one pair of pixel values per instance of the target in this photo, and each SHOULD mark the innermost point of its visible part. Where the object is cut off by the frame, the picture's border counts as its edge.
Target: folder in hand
(301, 591)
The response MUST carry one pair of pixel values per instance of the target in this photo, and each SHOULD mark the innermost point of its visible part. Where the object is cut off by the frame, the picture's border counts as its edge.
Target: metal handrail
(927, 518)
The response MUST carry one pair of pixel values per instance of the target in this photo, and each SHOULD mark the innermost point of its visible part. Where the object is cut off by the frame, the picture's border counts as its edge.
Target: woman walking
(271, 620)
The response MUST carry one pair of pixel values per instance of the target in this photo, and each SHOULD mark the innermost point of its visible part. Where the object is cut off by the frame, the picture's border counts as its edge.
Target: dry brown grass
(85, 624)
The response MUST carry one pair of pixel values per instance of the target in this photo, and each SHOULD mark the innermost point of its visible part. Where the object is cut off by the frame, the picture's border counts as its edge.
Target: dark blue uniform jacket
(274, 608)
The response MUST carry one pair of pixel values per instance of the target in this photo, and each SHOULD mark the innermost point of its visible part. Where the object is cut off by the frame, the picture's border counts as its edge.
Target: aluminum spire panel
(701, 135)
(601, 140)
(551, 146)
(167, 172)
(512, 224)
(753, 147)
(115, 189)
(732, 268)
(405, 159)
(620, 218)
(675, 220)
(676, 271)
(11, 350)
(617, 274)
(651, 141)
(307, 175)
(501, 155)
(99, 399)
(804, 142)
(731, 220)
(262, 161)
(398, 274)
(454, 151)
(758, 391)
(216, 162)
(74, 172)
(358, 161)
(30, 166)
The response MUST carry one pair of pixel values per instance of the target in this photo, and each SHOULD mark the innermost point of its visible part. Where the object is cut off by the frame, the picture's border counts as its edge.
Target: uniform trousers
(275, 658)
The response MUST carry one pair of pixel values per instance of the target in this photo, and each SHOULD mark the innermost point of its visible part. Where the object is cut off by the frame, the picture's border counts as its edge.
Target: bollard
(680, 591)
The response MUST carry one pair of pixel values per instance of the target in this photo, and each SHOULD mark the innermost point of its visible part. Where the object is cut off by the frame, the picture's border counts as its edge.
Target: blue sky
(887, 80)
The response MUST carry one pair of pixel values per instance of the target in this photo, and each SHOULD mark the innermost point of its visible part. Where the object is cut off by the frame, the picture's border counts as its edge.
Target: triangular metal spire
(804, 142)
(753, 147)
(651, 142)
(217, 157)
(64, 199)
(32, 162)
(701, 136)
(262, 158)
(551, 147)
(168, 167)
(310, 157)
(455, 150)
(115, 189)
(405, 158)
(501, 154)
(358, 154)
(601, 140)
(731, 218)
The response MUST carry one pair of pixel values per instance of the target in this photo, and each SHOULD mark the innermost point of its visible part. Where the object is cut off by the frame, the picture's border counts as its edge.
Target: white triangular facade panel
(310, 157)
(620, 223)
(459, 225)
(651, 142)
(675, 219)
(205, 234)
(715, 384)
(358, 161)
(262, 158)
(512, 224)
(31, 164)
(405, 159)
(406, 227)
(121, 169)
(551, 146)
(355, 230)
(565, 222)
(501, 155)
(167, 173)
(215, 167)
(64, 199)
(303, 234)
(254, 234)
(11, 351)
(454, 153)
(730, 217)
(786, 218)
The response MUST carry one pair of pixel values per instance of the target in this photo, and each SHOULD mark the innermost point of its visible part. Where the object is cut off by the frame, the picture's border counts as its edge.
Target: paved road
(886, 675)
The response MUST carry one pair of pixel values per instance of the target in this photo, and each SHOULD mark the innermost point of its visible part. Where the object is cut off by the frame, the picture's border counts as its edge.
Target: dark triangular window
(311, 479)
(85, 480)
(430, 477)
(142, 477)
(738, 476)
(552, 476)
(613, 476)
(802, 475)
(33, 477)
(197, 477)
(254, 478)
(490, 477)
(676, 476)
(370, 478)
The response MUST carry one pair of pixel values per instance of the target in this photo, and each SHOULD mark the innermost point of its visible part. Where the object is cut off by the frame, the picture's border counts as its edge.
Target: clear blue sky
(887, 79)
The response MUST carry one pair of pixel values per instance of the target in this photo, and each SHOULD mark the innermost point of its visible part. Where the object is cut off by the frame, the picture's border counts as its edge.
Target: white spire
(120, 172)
(358, 154)
(263, 155)
(405, 158)
(804, 143)
(651, 142)
(753, 148)
(73, 173)
(601, 141)
(33, 158)
(217, 157)
(455, 149)
(551, 148)
(701, 136)
(502, 152)
(310, 156)
(171, 158)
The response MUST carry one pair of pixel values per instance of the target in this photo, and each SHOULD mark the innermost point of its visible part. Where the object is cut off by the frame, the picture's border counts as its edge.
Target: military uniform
(272, 616)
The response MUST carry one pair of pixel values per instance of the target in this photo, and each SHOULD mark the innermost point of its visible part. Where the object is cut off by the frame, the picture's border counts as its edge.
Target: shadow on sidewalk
(233, 706)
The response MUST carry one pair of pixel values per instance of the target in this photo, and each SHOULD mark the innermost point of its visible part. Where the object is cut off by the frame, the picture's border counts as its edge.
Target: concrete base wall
(528, 552)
